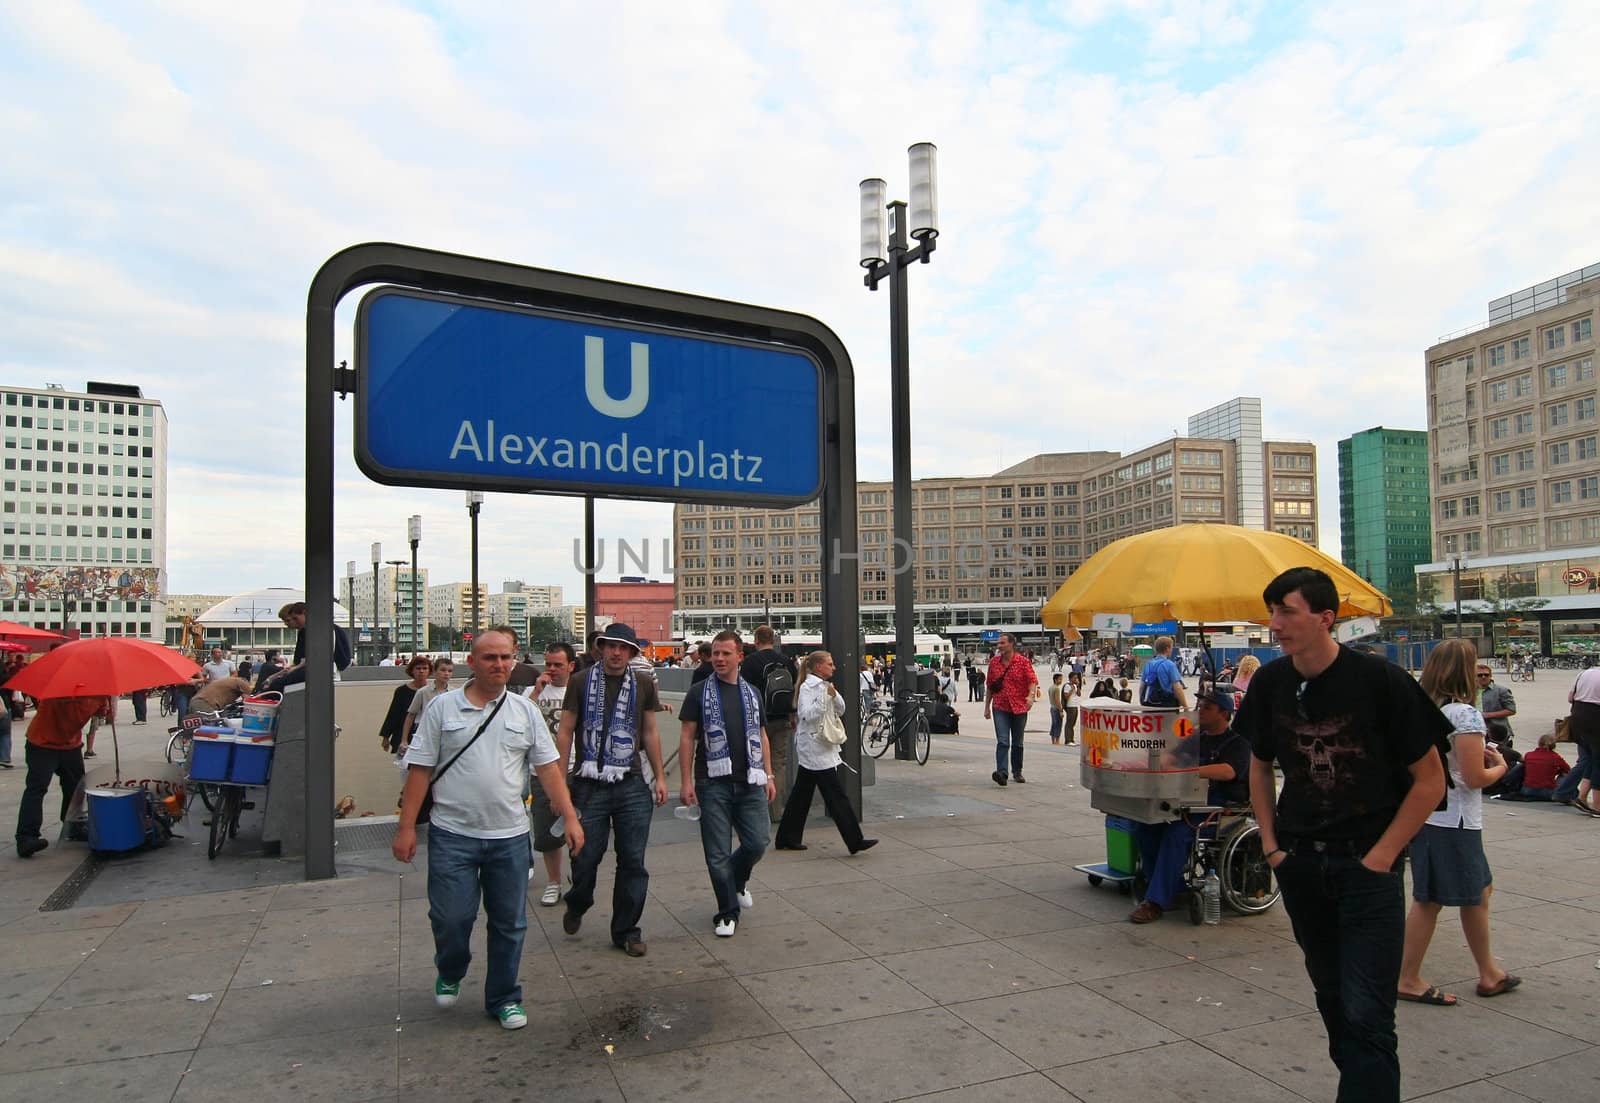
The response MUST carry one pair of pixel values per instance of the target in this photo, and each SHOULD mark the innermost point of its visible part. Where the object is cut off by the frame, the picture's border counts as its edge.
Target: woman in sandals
(1448, 867)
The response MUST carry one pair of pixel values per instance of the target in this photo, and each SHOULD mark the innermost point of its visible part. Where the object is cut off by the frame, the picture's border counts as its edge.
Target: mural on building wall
(81, 583)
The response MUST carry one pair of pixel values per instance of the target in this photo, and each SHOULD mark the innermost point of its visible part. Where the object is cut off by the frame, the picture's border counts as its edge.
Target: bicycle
(229, 802)
(879, 729)
(169, 701)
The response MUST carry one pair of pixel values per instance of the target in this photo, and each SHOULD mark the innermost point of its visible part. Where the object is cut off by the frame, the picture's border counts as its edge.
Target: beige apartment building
(989, 550)
(1515, 454)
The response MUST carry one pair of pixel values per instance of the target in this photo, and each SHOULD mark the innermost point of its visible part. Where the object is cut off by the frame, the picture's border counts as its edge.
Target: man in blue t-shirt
(1161, 686)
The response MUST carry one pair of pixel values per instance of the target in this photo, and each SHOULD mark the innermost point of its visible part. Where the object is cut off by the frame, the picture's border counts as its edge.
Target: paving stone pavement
(960, 960)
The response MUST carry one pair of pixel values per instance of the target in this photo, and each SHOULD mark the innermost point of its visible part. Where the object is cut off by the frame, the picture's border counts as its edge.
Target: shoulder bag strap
(487, 721)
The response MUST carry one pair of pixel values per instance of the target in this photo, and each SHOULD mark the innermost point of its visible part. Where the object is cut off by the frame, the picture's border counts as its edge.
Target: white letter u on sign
(594, 379)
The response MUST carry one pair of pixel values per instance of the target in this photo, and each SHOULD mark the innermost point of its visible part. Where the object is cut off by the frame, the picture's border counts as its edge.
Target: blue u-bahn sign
(456, 392)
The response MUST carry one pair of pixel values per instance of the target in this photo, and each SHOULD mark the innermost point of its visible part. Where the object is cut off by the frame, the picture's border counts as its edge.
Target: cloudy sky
(1146, 208)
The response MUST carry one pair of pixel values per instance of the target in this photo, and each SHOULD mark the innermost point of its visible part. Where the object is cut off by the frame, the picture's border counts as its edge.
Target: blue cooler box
(212, 755)
(252, 761)
(116, 819)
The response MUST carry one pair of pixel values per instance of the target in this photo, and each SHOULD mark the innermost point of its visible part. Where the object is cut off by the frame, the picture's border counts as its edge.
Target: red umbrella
(10, 629)
(102, 668)
(7, 645)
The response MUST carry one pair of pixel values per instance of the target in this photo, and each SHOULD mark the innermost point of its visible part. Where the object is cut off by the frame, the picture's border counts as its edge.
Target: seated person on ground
(1540, 769)
(1223, 756)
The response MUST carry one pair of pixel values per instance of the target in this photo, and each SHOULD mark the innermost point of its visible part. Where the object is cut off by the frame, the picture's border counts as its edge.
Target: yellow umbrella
(1203, 573)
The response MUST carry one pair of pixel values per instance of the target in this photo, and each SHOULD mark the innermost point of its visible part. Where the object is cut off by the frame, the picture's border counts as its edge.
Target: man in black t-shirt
(730, 779)
(1358, 743)
(613, 740)
(779, 719)
(1222, 757)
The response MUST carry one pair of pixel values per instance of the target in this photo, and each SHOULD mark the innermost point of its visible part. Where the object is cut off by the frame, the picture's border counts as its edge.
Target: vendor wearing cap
(610, 709)
(1223, 757)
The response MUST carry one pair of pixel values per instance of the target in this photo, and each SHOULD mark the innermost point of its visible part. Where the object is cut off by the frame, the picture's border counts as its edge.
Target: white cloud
(1220, 205)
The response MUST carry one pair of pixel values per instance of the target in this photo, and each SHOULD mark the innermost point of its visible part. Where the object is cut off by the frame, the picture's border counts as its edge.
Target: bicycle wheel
(878, 735)
(219, 822)
(923, 739)
(235, 804)
(1248, 885)
(179, 746)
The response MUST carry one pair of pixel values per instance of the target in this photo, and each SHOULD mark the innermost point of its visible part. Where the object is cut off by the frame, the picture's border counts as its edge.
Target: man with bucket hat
(610, 711)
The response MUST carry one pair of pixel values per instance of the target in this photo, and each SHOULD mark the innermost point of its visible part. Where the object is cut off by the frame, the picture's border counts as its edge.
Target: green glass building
(1384, 508)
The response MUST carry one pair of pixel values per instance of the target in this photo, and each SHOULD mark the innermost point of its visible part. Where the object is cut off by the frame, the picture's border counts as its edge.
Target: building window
(1495, 355)
(1499, 428)
(1526, 498)
(1561, 453)
(1561, 492)
(1555, 376)
(1500, 502)
(1519, 348)
(1448, 509)
(1555, 338)
(1500, 465)
(1583, 409)
(1583, 370)
(1589, 488)
(1580, 330)
(1499, 390)
(1587, 448)
(1523, 423)
(1556, 416)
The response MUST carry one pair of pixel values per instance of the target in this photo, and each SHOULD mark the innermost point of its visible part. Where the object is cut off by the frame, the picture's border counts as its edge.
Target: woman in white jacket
(819, 762)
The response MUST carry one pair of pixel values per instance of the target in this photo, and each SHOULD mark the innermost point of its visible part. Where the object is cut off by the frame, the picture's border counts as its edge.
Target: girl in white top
(819, 762)
(1448, 867)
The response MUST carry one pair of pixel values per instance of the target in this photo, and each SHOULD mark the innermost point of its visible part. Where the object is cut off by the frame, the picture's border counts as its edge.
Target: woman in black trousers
(819, 762)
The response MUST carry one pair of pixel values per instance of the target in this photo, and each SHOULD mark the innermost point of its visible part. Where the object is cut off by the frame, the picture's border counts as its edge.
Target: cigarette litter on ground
(199, 997)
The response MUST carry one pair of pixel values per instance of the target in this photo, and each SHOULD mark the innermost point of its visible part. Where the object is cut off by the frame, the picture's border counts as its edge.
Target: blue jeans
(1008, 728)
(729, 805)
(460, 869)
(1056, 716)
(1567, 788)
(1163, 851)
(626, 806)
(1350, 924)
(5, 732)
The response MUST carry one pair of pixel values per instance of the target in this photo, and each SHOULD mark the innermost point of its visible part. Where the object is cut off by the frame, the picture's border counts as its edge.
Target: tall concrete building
(1384, 506)
(989, 550)
(398, 594)
(449, 604)
(83, 513)
(547, 598)
(1239, 420)
(1514, 445)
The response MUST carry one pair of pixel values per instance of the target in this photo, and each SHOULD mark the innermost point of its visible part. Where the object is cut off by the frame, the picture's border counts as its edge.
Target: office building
(83, 513)
(1384, 506)
(990, 549)
(398, 594)
(545, 598)
(645, 606)
(449, 605)
(1514, 445)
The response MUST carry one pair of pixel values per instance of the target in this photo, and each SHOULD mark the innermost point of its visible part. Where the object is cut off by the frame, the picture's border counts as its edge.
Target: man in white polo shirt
(475, 746)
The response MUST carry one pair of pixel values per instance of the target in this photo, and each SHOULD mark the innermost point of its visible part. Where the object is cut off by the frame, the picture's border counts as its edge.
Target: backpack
(1152, 695)
(777, 690)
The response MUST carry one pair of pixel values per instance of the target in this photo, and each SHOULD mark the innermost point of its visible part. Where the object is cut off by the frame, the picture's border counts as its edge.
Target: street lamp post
(1457, 569)
(923, 225)
(350, 596)
(396, 564)
(474, 504)
(414, 532)
(377, 618)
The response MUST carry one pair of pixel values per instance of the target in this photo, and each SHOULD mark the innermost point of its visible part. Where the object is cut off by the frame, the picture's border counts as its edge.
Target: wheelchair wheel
(1248, 885)
(1196, 914)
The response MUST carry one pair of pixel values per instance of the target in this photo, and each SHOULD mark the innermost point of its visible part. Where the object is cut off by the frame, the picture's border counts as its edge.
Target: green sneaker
(512, 1017)
(445, 994)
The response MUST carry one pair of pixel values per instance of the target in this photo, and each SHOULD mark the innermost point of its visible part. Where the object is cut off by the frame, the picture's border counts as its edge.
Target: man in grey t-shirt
(474, 748)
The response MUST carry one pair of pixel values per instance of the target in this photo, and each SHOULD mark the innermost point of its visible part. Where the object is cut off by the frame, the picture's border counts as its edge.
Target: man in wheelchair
(1223, 758)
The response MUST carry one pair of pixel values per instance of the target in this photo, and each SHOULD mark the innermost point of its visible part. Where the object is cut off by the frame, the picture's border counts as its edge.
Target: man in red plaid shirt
(1013, 688)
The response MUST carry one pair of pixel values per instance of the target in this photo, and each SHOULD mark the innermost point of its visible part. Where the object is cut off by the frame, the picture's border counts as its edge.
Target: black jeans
(43, 764)
(792, 828)
(1351, 924)
(627, 806)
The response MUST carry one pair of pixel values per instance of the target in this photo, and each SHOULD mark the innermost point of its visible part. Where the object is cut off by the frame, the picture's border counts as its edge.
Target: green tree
(544, 629)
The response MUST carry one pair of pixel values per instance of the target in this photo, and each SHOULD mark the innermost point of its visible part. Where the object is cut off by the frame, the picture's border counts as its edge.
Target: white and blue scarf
(715, 731)
(608, 742)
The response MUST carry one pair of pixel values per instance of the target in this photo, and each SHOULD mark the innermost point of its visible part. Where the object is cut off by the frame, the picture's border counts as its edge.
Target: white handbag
(833, 730)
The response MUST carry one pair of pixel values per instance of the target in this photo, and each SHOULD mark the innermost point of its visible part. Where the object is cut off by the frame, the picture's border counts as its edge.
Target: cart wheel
(1095, 880)
(1195, 915)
